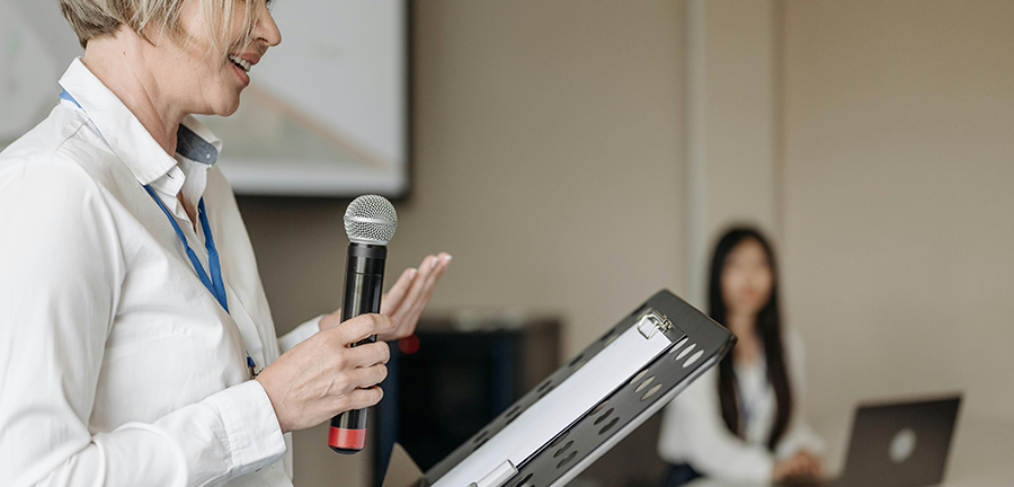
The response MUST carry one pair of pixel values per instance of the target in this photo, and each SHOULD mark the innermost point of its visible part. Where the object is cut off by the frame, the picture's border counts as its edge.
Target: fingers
(814, 466)
(422, 289)
(413, 299)
(364, 398)
(803, 466)
(330, 320)
(789, 468)
(360, 327)
(361, 368)
(412, 292)
(367, 354)
(392, 301)
(429, 283)
(363, 391)
(367, 377)
(323, 376)
(405, 301)
(806, 460)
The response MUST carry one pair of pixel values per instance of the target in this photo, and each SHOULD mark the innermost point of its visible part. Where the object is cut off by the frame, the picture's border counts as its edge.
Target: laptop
(901, 444)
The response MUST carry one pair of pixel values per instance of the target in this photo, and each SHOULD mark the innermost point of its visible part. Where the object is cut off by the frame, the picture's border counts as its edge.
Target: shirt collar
(128, 139)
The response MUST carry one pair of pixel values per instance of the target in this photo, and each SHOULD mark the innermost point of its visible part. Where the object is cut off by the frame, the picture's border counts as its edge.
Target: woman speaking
(745, 422)
(136, 343)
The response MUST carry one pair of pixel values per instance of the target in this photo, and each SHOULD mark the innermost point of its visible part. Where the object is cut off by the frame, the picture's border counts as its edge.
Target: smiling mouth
(240, 63)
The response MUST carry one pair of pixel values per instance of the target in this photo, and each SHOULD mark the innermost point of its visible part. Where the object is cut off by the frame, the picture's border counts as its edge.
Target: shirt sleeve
(61, 267)
(693, 432)
(297, 335)
(800, 435)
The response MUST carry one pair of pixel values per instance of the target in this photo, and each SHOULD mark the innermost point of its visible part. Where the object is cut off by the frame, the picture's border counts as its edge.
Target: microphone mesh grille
(370, 219)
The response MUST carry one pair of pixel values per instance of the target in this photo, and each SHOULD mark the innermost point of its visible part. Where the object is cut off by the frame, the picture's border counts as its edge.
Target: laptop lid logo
(903, 445)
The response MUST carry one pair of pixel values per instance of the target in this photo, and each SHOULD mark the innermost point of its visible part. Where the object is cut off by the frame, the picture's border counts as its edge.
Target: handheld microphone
(370, 222)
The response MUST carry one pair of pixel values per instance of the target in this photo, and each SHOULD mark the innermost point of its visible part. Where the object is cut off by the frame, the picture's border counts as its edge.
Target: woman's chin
(227, 107)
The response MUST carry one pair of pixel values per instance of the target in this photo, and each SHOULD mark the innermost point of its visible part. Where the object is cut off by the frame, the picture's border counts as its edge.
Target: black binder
(578, 413)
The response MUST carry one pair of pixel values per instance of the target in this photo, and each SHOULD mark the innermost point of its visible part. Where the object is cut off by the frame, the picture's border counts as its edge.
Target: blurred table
(982, 454)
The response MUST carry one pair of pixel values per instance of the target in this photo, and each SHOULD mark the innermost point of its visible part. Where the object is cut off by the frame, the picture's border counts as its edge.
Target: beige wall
(549, 156)
(548, 162)
(732, 54)
(898, 201)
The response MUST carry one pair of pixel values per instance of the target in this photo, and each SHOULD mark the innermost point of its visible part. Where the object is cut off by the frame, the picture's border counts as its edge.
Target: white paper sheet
(564, 405)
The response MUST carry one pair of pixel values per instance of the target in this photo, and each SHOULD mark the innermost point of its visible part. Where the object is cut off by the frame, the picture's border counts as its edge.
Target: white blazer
(693, 431)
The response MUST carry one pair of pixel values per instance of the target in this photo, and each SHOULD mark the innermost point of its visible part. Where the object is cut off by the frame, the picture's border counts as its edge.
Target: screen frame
(408, 127)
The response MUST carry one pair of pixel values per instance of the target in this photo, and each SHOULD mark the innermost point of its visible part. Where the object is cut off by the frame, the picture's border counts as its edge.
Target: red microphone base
(344, 440)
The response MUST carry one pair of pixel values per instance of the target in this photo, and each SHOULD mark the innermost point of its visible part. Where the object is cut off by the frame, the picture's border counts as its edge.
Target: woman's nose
(266, 29)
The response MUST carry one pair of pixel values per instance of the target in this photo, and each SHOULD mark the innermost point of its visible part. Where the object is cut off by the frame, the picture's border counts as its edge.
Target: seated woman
(744, 422)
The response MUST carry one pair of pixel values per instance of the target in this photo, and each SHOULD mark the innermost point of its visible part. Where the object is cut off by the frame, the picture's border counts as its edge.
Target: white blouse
(694, 432)
(117, 366)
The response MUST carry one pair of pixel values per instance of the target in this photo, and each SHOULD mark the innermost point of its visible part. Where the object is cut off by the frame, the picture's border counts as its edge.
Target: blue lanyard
(214, 283)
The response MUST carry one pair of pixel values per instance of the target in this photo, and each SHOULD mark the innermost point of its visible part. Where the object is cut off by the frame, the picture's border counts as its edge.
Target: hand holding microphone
(370, 222)
(324, 375)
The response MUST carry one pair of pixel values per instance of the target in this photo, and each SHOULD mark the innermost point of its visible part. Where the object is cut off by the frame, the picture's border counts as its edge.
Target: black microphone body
(364, 282)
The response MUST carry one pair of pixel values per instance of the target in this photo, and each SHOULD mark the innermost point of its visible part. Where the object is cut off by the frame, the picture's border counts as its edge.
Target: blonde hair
(95, 18)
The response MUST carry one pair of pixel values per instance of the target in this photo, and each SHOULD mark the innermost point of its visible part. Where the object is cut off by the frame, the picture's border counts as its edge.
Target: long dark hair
(768, 328)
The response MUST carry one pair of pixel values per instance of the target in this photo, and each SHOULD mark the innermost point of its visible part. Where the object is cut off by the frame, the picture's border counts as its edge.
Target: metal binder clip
(499, 476)
(651, 322)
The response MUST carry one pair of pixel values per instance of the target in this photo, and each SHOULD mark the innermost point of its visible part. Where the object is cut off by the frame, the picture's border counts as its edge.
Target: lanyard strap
(214, 284)
(66, 96)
